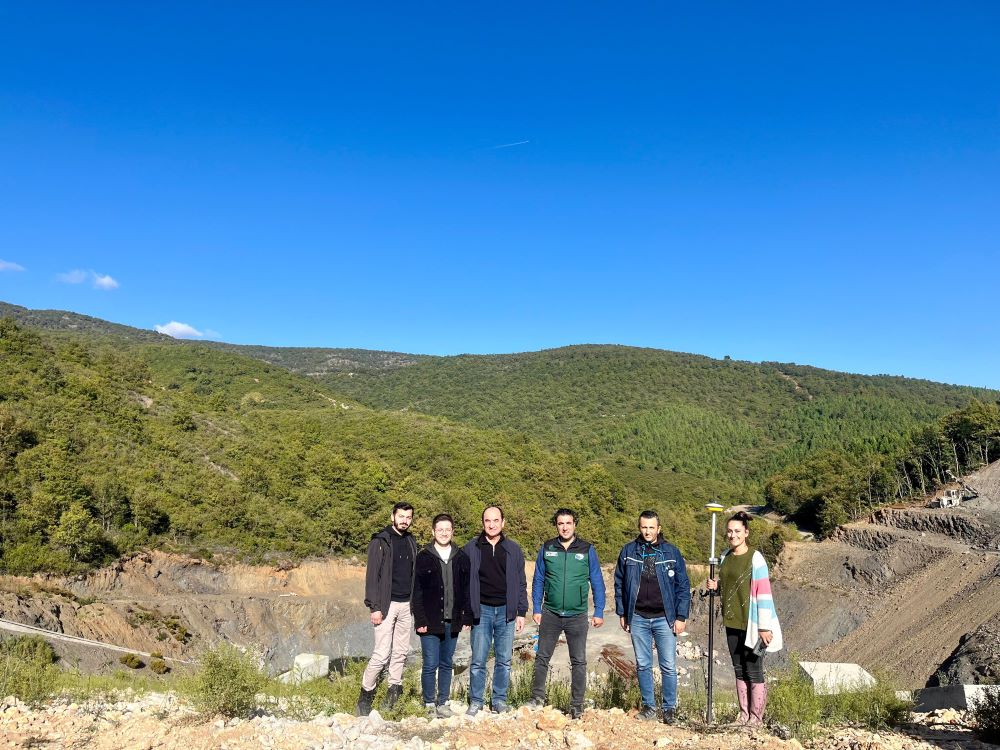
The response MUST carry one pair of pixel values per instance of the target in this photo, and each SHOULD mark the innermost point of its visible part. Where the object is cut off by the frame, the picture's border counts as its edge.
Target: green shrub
(158, 666)
(29, 647)
(614, 691)
(519, 688)
(227, 682)
(875, 707)
(132, 661)
(792, 702)
(986, 715)
(339, 694)
(26, 670)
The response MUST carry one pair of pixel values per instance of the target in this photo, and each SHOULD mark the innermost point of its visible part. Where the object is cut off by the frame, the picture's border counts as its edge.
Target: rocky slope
(180, 606)
(976, 660)
(902, 592)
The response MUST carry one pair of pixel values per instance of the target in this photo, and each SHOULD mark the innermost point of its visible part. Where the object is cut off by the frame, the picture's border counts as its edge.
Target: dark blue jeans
(437, 652)
(491, 629)
(644, 634)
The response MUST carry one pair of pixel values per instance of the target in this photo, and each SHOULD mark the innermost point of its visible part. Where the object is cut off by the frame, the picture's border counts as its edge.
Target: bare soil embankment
(181, 606)
(901, 592)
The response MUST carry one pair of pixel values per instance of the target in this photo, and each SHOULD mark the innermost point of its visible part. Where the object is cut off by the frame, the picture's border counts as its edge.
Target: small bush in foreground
(614, 691)
(986, 715)
(26, 670)
(227, 682)
(792, 702)
(132, 661)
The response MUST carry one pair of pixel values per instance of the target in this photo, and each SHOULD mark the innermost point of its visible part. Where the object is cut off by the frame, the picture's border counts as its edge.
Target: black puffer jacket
(428, 590)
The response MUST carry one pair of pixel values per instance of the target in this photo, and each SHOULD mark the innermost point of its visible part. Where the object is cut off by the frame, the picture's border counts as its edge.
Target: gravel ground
(163, 721)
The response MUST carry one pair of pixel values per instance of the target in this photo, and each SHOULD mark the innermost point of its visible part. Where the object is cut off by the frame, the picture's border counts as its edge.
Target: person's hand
(537, 617)
(621, 621)
(597, 621)
(679, 626)
(519, 623)
(766, 636)
(376, 618)
(466, 627)
(422, 629)
(711, 584)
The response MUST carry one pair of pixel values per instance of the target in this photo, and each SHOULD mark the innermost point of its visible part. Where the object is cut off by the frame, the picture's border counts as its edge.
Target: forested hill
(108, 446)
(731, 420)
(310, 361)
(607, 428)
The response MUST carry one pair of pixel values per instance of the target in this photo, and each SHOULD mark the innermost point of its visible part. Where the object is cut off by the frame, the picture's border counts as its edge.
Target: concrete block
(961, 697)
(830, 678)
(307, 667)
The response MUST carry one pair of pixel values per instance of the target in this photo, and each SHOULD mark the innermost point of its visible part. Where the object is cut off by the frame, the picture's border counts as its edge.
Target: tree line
(832, 487)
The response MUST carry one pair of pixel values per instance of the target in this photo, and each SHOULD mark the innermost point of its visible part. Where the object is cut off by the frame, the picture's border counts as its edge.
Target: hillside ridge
(345, 357)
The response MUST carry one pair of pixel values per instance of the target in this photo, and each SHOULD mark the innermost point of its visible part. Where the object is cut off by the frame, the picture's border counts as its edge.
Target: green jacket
(563, 577)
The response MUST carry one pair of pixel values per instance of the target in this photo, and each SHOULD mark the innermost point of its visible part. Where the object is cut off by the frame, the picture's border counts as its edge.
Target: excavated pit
(181, 606)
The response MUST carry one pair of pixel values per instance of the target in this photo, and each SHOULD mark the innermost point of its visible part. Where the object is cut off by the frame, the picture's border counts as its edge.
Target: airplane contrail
(507, 145)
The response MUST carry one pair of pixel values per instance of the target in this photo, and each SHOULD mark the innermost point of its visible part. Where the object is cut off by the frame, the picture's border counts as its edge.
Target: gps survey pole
(714, 509)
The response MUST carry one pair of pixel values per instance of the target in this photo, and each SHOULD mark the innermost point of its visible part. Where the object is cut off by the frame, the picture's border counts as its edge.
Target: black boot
(393, 694)
(365, 702)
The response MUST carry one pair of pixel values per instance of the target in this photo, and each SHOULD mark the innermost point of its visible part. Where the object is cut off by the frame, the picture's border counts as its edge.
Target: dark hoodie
(378, 576)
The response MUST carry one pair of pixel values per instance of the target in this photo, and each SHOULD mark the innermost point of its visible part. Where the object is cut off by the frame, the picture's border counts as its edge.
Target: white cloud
(103, 281)
(180, 330)
(98, 280)
(6, 265)
(72, 277)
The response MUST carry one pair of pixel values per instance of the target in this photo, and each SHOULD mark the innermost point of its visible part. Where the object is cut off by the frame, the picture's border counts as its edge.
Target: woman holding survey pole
(748, 613)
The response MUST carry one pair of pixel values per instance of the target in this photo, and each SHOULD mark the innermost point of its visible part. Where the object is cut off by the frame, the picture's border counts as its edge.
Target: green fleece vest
(567, 577)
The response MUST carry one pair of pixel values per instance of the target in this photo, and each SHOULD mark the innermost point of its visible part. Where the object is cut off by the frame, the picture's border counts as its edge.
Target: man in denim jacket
(652, 599)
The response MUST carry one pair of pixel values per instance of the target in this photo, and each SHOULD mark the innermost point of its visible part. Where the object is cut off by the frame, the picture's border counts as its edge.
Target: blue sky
(769, 181)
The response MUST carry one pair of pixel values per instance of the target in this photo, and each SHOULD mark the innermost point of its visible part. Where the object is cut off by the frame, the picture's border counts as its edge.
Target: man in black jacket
(392, 555)
(440, 611)
(498, 595)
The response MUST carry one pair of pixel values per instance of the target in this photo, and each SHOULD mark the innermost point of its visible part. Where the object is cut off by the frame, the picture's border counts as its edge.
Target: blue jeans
(491, 629)
(437, 652)
(644, 634)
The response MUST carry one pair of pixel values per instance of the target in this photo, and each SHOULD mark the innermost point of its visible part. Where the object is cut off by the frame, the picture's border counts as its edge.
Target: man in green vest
(565, 571)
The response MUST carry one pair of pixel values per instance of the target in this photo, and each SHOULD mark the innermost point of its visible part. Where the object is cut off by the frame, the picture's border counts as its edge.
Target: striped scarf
(763, 615)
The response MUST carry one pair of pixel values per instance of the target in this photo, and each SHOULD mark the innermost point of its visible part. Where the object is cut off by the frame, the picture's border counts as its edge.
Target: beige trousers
(392, 644)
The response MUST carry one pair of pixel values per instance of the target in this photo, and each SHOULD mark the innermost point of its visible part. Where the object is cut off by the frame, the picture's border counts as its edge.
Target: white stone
(307, 667)
(578, 741)
(830, 678)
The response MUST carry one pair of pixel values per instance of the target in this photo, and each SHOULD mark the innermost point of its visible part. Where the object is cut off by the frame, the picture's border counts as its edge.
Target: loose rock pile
(164, 721)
